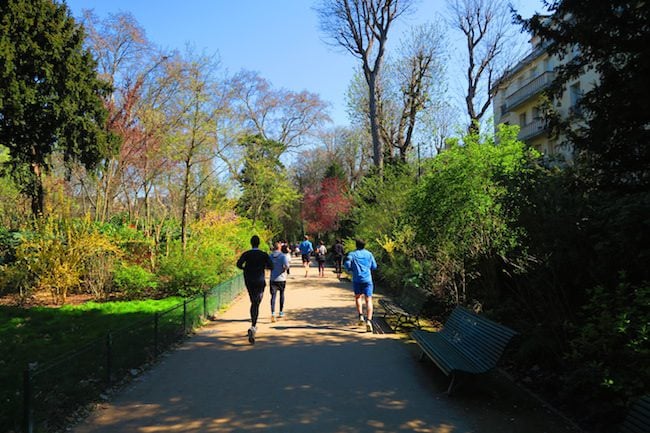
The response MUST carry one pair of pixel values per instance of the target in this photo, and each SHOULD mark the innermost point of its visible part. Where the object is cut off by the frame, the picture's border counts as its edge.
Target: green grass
(41, 335)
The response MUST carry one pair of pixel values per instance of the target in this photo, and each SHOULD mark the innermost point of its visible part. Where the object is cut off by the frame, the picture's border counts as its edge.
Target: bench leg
(451, 383)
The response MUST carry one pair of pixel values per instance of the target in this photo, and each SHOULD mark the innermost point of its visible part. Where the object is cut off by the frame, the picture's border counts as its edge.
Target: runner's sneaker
(281, 314)
(361, 321)
(251, 335)
(272, 317)
(368, 326)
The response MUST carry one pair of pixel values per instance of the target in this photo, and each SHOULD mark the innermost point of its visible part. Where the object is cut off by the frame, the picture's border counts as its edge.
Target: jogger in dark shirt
(254, 262)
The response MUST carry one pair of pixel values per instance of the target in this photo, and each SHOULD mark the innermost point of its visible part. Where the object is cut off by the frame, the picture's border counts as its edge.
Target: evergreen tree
(610, 37)
(50, 95)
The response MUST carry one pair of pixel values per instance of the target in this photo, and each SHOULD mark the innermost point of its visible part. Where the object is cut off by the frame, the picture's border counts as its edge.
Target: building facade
(518, 100)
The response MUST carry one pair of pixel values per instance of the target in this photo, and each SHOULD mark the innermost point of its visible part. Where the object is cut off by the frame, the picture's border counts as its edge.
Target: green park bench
(467, 343)
(638, 419)
(407, 310)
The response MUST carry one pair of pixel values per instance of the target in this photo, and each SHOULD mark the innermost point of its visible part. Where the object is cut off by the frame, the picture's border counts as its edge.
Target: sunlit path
(313, 371)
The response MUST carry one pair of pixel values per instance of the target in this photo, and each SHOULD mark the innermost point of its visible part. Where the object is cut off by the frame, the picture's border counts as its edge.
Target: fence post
(109, 357)
(184, 316)
(205, 305)
(155, 335)
(28, 412)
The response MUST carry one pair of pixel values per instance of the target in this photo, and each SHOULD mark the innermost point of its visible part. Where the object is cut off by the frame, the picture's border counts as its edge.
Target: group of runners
(254, 262)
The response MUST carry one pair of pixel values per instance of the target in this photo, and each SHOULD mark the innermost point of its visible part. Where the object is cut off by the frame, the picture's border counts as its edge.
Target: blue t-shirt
(306, 248)
(360, 263)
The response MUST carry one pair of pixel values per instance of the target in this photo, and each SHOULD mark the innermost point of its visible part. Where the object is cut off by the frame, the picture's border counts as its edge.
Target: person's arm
(285, 264)
(240, 262)
(347, 263)
(373, 263)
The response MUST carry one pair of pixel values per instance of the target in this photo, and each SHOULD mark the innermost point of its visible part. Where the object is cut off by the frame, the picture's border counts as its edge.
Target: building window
(522, 119)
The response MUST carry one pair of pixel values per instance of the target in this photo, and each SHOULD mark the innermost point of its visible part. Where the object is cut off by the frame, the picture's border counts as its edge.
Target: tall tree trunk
(37, 193)
(377, 142)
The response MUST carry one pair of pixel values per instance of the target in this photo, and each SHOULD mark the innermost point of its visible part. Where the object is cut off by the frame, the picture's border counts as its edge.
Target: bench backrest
(481, 339)
(638, 419)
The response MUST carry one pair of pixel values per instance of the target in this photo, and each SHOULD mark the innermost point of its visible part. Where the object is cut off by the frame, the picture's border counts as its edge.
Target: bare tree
(361, 27)
(276, 114)
(418, 78)
(489, 35)
(192, 139)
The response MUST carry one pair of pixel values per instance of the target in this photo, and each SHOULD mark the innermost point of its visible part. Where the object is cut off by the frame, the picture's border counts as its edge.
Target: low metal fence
(53, 391)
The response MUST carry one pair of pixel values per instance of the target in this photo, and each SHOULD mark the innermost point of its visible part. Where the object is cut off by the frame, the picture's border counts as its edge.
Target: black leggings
(255, 294)
(277, 286)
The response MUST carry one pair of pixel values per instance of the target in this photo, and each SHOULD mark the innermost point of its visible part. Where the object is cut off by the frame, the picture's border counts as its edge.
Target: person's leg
(274, 291)
(368, 297)
(369, 307)
(305, 263)
(281, 289)
(255, 294)
(358, 300)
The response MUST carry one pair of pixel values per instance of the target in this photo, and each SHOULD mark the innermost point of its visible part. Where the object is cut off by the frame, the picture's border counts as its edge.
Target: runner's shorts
(305, 258)
(277, 286)
(362, 288)
(256, 291)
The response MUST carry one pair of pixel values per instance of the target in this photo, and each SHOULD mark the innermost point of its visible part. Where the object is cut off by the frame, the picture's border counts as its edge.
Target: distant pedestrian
(321, 252)
(338, 252)
(306, 248)
(286, 250)
(360, 263)
(254, 262)
(278, 278)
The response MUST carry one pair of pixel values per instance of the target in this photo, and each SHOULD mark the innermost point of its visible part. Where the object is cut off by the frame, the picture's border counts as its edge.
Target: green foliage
(461, 211)
(610, 38)
(380, 211)
(55, 258)
(134, 281)
(267, 193)
(9, 241)
(210, 254)
(50, 94)
(609, 353)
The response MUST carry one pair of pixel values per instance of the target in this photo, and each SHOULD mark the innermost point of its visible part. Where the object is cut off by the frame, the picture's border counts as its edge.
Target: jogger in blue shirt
(361, 263)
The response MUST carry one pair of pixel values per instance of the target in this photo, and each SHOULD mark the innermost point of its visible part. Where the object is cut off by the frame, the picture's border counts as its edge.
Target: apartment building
(518, 96)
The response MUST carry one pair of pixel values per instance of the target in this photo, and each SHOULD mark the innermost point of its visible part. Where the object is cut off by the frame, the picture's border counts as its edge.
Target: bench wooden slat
(638, 419)
(467, 343)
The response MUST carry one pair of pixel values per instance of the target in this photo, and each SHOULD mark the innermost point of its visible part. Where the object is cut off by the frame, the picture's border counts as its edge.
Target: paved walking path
(313, 371)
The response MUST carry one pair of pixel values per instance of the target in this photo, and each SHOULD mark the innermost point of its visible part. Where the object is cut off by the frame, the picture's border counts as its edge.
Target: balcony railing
(530, 89)
(532, 129)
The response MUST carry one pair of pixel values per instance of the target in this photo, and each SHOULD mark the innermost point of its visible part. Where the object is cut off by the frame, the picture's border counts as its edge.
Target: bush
(209, 256)
(55, 258)
(609, 357)
(134, 282)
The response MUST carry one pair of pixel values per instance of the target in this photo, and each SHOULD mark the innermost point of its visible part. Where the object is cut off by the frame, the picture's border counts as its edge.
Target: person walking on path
(321, 251)
(338, 252)
(287, 253)
(278, 278)
(306, 249)
(361, 263)
(254, 262)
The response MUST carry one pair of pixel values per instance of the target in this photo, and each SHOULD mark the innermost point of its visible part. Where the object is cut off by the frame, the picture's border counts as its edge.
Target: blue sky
(279, 39)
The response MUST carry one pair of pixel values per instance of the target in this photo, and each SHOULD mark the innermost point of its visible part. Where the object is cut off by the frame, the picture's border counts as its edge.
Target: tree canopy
(50, 95)
(611, 38)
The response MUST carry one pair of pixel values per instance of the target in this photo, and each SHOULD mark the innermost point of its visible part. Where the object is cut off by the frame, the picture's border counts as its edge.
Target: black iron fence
(55, 390)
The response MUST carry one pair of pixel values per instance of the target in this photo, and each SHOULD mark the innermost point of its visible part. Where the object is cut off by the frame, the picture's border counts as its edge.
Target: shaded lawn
(41, 334)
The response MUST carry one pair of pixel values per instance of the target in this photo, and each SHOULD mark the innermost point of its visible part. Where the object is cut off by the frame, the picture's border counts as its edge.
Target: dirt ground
(315, 370)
